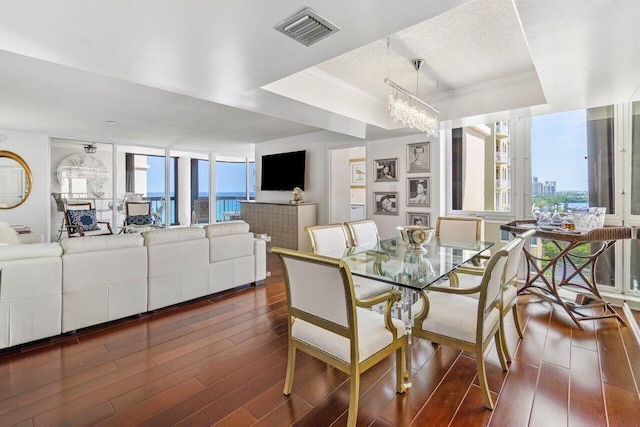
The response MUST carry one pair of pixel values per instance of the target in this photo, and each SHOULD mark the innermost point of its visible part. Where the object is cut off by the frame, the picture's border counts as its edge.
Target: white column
(184, 190)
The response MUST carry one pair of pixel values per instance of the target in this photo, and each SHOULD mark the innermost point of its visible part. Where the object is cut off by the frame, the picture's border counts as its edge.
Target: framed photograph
(386, 169)
(419, 157)
(419, 191)
(418, 218)
(358, 172)
(385, 203)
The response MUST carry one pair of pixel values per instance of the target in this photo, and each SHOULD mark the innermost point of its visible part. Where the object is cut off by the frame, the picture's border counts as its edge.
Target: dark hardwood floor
(221, 361)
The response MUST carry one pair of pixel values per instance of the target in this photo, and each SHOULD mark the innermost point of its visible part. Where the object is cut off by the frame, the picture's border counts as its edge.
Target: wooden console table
(572, 265)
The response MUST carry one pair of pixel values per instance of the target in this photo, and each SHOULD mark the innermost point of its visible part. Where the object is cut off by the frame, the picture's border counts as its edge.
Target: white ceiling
(201, 74)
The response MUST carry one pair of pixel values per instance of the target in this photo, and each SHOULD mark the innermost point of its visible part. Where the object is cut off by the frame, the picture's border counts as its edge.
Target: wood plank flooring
(221, 361)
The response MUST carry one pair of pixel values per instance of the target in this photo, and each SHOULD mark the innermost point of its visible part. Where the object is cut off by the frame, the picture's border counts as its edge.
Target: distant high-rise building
(538, 187)
(549, 187)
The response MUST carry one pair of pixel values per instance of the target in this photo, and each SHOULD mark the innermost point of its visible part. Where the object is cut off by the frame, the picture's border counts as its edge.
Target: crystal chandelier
(411, 110)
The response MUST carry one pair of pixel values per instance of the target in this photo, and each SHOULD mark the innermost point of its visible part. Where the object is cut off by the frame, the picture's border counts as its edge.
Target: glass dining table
(394, 261)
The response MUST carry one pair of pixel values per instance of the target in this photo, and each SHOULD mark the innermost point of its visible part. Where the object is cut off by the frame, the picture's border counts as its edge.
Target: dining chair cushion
(455, 316)
(367, 288)
(86, 219)
(372, 335)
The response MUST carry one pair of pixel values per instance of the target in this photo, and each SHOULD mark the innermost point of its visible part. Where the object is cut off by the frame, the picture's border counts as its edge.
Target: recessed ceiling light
(110, 123)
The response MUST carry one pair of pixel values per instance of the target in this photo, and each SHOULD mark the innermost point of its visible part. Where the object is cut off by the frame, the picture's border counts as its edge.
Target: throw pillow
(8, 235)
(140, 220)
(86, 219)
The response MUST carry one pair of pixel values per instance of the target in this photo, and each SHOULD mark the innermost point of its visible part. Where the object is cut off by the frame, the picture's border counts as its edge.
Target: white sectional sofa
(104, 278)
(234, 255)
(30, 292)
(178, 265)
(50, 288)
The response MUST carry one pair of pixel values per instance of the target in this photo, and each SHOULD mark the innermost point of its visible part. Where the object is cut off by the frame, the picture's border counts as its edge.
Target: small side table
(572, 265)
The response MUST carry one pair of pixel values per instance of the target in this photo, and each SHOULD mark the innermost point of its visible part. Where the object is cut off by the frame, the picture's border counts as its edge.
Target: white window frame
(520, 152)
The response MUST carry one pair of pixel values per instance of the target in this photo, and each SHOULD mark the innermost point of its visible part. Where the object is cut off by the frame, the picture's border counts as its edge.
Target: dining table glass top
(393, 260)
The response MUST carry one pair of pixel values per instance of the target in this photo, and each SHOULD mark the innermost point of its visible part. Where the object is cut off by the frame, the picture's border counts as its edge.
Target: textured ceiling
(477, 42)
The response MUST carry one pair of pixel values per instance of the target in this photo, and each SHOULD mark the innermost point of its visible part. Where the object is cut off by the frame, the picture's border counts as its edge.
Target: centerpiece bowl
(587, 219)
(416, 235)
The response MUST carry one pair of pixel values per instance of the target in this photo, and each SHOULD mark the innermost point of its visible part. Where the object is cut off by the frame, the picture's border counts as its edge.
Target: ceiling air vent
(307, 27)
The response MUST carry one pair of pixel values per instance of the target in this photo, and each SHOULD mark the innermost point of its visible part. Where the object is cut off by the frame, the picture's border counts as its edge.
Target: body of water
(204, 195)
(225, 202)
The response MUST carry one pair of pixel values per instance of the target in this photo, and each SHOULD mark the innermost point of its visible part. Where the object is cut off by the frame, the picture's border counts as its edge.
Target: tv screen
(284, 171)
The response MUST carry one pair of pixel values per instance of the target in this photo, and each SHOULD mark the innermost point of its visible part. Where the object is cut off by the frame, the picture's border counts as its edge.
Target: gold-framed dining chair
(332, 240)
(449, 317)
(325, 321)
(459, 227)
(469, 277)
(467, 228)
(362, 232)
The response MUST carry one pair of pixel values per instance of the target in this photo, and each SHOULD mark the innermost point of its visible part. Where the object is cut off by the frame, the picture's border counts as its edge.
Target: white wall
(397, 148)
(318, 179)
(340, 201)
(317, 145)
(34, 149)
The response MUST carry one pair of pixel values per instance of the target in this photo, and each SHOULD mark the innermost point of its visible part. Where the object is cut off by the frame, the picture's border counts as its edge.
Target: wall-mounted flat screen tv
(283, 171)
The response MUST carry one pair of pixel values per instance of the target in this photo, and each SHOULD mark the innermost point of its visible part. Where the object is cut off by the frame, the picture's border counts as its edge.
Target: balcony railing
(502, 157)
(226, 204)
(503, 183)
(158, 206)
(223, 204)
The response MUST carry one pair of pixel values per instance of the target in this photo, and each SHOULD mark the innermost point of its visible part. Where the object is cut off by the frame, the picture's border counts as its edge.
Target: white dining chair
(325, 321)
(469, 278)
(332, 240)
(362, 232)
(448, 316)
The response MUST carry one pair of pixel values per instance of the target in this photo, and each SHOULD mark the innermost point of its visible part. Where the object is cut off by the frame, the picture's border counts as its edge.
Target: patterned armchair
(81, 220)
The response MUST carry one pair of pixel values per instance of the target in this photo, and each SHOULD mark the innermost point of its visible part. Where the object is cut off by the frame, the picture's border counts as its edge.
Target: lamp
(411, 110)
(90, 149)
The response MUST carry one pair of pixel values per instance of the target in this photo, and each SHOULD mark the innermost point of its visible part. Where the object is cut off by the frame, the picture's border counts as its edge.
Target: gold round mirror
(15, 180)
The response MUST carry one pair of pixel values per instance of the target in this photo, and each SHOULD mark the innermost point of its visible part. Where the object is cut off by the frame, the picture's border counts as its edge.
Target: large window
(200, 190)
(232, 185)
(634, 200)
(481, 168)
(572, 166)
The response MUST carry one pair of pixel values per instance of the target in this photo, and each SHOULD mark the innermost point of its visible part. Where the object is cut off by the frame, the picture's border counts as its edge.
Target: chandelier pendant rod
(410, 95)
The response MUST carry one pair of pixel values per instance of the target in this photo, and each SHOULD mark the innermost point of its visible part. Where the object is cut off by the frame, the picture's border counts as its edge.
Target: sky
(559, 148)
(230, 177)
